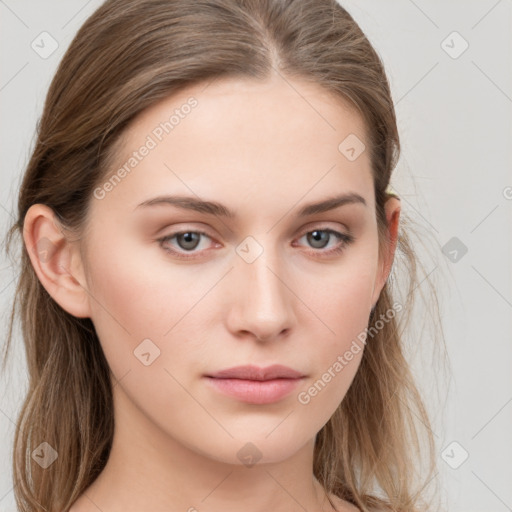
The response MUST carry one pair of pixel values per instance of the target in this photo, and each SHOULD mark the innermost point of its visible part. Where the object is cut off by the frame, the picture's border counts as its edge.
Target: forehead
(293, 102)
(240, 135)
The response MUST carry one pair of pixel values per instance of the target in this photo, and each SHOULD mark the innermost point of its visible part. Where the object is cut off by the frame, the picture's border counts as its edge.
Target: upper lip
(250, 372)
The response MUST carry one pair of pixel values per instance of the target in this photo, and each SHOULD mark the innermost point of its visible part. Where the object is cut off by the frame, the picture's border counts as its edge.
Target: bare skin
(264, 151)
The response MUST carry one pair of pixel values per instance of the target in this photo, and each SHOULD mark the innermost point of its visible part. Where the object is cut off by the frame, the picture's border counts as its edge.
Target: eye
(187, 242)
(320, 238)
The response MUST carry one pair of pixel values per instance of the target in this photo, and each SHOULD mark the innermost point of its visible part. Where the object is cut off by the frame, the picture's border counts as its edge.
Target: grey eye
(318, 238)
(188, 240)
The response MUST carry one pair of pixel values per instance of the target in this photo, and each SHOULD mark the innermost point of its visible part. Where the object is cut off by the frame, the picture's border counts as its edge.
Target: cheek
(146, 323)
(157, 313)
(342, 306)
(133, 301)
(135, 286)
(342, 298)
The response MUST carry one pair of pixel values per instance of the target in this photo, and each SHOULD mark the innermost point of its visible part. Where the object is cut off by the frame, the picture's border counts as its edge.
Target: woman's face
(277, 281)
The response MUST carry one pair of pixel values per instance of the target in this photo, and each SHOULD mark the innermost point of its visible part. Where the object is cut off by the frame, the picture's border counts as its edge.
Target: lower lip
(255, 391)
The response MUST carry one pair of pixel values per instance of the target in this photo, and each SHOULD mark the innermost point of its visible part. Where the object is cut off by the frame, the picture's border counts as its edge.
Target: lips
(250, 372)
(255, 385)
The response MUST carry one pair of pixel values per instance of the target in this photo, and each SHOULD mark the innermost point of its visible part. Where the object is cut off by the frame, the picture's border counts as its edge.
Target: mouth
(254, 385)
(250, 372)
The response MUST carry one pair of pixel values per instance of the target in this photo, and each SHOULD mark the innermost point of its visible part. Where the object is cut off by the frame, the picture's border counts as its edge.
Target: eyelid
(338, 228)
(321, 226)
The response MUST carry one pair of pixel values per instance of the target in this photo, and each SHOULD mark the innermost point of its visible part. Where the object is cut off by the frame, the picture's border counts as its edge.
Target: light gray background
(455, 123)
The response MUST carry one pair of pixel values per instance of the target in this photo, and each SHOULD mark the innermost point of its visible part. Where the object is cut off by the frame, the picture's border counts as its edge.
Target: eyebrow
(218, 209)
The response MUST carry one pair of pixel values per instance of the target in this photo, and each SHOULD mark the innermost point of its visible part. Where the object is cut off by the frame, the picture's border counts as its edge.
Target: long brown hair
(127, 56)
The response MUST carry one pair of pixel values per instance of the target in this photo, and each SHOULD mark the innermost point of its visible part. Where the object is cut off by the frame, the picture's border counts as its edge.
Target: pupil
(318, 235)
(189, 240)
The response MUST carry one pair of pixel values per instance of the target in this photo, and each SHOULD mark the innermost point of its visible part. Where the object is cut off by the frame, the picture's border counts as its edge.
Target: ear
(392, 208)
(56, 260)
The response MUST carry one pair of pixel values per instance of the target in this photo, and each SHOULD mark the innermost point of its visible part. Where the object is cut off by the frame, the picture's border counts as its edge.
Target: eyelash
(346, 240)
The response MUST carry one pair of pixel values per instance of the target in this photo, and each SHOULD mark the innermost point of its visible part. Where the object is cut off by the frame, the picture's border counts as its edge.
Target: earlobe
(56, 260)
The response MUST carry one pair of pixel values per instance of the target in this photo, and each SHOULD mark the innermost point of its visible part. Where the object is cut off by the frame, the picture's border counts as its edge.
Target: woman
(208, 240)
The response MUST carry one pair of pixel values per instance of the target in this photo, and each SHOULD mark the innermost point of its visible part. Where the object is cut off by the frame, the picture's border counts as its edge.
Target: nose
(261, 303)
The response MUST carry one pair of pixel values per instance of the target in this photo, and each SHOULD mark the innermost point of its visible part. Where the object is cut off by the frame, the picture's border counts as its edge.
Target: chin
(254, 450)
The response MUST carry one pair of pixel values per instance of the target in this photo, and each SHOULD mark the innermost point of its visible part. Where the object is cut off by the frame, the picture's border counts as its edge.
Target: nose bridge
(262, 298)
